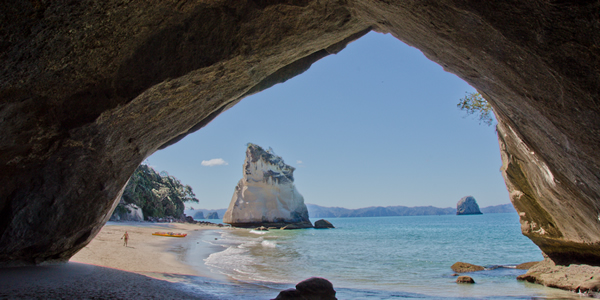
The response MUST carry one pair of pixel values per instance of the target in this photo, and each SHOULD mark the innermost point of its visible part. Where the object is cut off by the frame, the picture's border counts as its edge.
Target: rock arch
(88, 90)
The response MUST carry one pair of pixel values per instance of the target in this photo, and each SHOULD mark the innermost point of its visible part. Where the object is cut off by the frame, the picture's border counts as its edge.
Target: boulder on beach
(316, 288)
(127, 212)
(464, 279)
(266, 195)
(467, 206)
(323, 224)
(461, 267)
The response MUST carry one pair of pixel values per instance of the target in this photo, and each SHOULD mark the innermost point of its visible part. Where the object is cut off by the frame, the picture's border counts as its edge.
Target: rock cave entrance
(386, 120)
(85, 99)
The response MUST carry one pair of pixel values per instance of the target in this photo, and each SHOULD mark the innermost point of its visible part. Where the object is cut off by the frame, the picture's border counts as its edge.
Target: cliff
(157, 195)
(88, 90)
(266, 195)
(467, 206)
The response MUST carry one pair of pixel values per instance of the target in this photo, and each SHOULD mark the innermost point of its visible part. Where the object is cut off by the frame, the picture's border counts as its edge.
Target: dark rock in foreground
(323, 224)
(314, 288)
(467, 206)
(464, 279)
(461, 267)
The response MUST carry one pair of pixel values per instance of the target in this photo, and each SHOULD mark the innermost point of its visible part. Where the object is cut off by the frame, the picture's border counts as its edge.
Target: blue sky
(374, 125)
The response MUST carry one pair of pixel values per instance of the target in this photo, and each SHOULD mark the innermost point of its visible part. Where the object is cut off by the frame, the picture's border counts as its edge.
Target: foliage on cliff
(158, 195)
(475, 104)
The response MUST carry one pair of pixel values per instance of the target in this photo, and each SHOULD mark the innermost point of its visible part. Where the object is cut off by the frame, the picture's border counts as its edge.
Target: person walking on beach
(125, 237)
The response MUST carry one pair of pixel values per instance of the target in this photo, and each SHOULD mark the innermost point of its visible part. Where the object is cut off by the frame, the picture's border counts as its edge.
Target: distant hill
(317, 211)
(498, 209)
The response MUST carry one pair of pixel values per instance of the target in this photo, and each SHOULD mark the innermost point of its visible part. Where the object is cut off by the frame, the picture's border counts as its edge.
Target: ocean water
(381, 258)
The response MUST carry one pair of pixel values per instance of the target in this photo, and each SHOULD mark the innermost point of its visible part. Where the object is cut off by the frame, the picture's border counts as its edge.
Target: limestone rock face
(467, 206)
(266, 195)
(131, 213)
(88, 90)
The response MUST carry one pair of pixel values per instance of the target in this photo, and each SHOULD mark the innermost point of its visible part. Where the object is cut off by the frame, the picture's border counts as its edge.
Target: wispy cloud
(214, 162)
(299, 162)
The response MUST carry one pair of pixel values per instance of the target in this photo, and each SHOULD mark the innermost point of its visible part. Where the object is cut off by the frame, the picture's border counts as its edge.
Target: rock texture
(314, 288)
(467, 206)
(266, 195)
(461, 267)
(130, 212)
(89, 89)
(323, 224)
(577, 278)
(464, 279)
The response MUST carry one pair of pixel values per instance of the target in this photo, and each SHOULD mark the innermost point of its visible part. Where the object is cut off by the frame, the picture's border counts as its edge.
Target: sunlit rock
(266, 195)
(467, 206)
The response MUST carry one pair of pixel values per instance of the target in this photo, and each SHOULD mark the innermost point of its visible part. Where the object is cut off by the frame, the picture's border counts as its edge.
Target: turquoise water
(385, 257)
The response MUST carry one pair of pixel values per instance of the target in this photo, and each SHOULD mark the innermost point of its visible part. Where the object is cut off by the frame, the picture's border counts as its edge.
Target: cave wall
(88, 90)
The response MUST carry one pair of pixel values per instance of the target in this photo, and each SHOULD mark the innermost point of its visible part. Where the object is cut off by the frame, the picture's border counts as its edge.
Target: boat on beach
(171, 234)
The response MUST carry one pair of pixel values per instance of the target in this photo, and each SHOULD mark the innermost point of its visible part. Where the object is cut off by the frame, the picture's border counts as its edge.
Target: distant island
(317, 211)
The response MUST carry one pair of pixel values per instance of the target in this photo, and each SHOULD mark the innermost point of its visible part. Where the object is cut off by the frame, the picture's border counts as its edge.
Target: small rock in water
(323, 224)
(461, 267)
(464, 279)
(314, 288)
(290, 226)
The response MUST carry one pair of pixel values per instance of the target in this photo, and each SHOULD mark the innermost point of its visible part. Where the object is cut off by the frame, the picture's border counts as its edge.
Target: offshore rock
(461, 267)
(323, 224)
(467, 206)
(199, 215)
(212, 215)
(89, 89)
(464, 279)
(266, 195)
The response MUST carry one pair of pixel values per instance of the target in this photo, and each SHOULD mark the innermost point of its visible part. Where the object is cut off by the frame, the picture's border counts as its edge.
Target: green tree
(475, 104)
(158, 195)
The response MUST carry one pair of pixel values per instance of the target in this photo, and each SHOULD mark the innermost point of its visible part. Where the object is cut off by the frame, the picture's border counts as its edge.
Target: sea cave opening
(364, 127)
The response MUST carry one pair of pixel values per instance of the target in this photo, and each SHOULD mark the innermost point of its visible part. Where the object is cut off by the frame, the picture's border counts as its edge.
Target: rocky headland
(266, 195)
(467, 206)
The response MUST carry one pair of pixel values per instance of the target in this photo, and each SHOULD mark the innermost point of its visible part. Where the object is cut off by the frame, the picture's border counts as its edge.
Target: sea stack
(467, 206)
(266, 195)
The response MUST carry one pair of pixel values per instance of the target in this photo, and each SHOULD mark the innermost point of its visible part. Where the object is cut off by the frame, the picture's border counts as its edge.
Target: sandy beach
(145, 253)
(149, 267)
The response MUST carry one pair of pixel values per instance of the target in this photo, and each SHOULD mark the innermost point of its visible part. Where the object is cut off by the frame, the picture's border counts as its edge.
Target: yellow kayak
(171, 234)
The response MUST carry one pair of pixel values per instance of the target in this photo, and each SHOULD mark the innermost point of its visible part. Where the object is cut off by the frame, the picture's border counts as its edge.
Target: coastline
(148, 267)
(145, 253)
